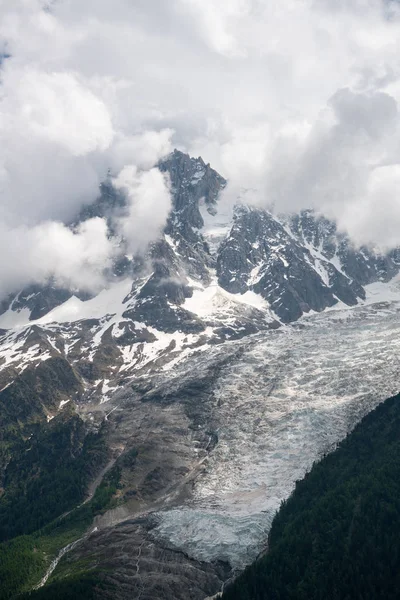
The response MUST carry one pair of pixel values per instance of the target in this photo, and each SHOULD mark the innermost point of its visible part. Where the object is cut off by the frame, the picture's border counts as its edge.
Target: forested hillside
(46, 465)
(338, 536)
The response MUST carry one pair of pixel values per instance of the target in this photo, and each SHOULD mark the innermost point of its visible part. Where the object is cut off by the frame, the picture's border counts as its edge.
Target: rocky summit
(175, 385)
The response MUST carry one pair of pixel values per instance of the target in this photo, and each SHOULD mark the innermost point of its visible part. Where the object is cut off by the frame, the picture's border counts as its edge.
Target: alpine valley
(149, 433)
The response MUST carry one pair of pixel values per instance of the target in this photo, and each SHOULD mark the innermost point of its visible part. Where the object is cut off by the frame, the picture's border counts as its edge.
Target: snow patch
(108, 301)
(207, 301)
(14, 318)
(216, 227)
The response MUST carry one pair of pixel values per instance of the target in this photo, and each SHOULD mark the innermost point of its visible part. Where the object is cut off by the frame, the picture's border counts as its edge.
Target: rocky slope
(153, 356)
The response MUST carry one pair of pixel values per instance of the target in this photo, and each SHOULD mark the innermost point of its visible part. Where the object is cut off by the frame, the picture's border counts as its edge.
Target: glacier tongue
(289, 398)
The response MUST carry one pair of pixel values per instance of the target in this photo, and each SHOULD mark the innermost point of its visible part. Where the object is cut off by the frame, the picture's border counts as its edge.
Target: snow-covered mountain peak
(217, 273)
(228, 358)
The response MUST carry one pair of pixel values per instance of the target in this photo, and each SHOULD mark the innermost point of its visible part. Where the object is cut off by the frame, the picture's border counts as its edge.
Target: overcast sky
(295, 99)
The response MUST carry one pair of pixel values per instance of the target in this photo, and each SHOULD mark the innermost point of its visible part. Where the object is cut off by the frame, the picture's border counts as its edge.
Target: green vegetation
(49, 475)
(20, 562)
(79, 587)
(45, 470)
(23, 560)
(338, 536)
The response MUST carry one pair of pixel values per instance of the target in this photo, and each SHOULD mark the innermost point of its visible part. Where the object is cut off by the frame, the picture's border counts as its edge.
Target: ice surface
(289, 398)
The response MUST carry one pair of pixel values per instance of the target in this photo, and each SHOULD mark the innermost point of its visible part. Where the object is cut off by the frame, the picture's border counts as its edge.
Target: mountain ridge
(332, 268)
(188, 357)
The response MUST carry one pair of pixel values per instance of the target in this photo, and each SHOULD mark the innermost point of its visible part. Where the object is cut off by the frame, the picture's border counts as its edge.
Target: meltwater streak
(55, 562)
(59, 556)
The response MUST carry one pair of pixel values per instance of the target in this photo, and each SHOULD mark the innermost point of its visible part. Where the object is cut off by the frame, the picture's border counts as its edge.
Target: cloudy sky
(295, 99)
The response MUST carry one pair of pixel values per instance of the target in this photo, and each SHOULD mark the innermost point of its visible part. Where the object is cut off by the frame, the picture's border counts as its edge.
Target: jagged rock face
(159, 299)
(296, 264)
(181, 297)
(362, 265)
(262, 255)
(39, 300)
(110, 204)
(182, 252)
(191, 181)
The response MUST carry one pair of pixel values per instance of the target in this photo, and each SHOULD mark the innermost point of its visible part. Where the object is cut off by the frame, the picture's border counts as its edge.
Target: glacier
(289, 398)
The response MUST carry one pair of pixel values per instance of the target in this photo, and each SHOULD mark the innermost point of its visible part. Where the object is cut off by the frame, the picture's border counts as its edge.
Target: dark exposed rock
(159, 314)
(299, 266)
(132, 335)
(110, 204)
(192, 180)
(38, 299)
(130, 564)
(260, 255)
(34, 395)
(159, 299)
(167, 279)
(362, 265)
(347, 291)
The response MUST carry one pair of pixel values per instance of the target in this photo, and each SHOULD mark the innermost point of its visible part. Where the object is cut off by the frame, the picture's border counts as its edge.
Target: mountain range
(187, 388)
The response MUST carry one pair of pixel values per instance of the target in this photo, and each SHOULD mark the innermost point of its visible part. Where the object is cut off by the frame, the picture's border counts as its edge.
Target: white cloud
(81, 258)
(333, 166)
(143, 150)
(149, 203)
(217, 23)
(74, 259)
(297, 99)
(377, 215)
(57, 108)
(52, 128)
